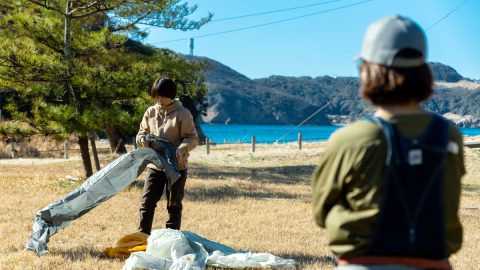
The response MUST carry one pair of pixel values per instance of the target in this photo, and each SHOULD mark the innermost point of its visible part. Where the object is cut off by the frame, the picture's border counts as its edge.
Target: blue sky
(325, 43)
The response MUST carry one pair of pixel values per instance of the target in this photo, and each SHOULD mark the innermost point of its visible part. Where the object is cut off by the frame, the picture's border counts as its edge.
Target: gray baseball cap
(389, 35)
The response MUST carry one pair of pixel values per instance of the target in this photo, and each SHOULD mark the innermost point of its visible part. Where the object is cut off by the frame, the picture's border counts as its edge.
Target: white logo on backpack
(452, 147)
(415, 157)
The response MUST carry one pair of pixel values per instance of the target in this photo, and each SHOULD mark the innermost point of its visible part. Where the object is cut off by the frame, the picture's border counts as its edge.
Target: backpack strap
(437, 143)
(387, 130)
(412, 192)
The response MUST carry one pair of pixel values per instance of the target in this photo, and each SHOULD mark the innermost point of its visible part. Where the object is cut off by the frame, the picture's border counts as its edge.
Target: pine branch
(128, 26)
(97, 9)
(45, 5)
(85, 7)
(116, 98)
(91, 12)
(26, 77)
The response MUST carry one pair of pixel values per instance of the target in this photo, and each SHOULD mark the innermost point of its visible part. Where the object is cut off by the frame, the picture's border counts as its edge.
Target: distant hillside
(445, 73)
(236, 99)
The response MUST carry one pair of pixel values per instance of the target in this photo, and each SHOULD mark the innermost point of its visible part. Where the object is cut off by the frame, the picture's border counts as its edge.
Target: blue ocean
(221, 133)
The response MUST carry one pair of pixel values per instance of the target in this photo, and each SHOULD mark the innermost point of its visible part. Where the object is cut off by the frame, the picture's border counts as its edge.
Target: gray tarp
(98, 188)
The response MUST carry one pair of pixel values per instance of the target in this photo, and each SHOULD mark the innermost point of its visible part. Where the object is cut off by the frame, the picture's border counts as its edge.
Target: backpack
(411, 219)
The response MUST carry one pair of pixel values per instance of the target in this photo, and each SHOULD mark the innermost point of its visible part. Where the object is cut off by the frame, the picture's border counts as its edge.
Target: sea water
(221, 133)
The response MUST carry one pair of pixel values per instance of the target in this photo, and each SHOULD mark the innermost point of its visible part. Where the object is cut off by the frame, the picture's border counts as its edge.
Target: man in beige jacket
(170, 121)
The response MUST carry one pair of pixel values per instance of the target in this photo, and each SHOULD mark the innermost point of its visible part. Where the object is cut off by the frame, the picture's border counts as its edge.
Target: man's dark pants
(152, 192)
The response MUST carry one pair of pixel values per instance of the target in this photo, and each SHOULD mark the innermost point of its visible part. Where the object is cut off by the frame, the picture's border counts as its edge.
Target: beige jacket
(173, 124)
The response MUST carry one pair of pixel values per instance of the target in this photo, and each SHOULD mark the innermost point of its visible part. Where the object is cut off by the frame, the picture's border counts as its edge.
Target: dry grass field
(251, 201)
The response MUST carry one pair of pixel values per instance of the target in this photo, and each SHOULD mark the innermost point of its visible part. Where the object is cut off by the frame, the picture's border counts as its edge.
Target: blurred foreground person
(170, 121)
(387, 188)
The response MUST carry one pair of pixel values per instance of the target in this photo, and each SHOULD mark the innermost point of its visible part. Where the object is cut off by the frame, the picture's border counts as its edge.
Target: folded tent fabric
(98, 188)
(182, 250)
(138, 242)
(168, 249)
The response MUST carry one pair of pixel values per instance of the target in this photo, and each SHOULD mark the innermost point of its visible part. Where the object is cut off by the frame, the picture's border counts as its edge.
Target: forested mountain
(445, 73)
(236, 99)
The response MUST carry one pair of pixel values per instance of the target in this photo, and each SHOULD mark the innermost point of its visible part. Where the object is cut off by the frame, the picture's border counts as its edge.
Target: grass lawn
(250, 201)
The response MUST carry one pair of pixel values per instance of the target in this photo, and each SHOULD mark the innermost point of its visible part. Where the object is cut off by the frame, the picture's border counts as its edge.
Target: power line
(274, 11)
(266, 24)
(304, 121)
(448, 14)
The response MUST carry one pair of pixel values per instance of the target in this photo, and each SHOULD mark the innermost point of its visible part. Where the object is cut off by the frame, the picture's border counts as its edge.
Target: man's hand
(180, 155)
(144, 143)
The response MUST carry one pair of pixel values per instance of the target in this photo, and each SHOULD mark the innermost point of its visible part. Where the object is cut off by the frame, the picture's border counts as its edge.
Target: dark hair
(389, 86)
(164, 87)
(384, 85)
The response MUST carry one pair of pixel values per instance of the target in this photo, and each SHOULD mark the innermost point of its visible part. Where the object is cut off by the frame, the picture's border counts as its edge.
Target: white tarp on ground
(182, 250)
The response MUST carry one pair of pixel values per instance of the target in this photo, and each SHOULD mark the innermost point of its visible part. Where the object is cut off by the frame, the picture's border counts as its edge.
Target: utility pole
(191, 46)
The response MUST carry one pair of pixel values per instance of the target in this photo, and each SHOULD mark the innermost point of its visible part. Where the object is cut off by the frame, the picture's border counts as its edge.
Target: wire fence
(30, 151)
(283, 141)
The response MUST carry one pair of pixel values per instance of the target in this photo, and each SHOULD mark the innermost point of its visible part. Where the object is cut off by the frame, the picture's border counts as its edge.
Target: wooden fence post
(208, 145)
(299, 141)
(65, 150)
(13, 151)
(253, 144)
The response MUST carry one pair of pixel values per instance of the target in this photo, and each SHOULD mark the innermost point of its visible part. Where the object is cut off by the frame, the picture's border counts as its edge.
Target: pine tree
(67, 61)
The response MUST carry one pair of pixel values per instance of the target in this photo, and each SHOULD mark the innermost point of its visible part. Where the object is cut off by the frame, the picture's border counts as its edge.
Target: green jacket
(347, 184)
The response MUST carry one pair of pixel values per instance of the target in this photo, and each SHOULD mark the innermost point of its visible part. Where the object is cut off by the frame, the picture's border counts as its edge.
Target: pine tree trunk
(87, 163)
(94, 151)
(201, 136)
(189, 104)
(74, 97)
(114, 139)
(67, 56)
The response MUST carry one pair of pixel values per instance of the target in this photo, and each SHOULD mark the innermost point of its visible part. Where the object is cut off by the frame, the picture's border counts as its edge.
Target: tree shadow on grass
(200, 193)
(471, 188)
(239, 191)
(273, 174)
(137, 184)
(302, 259)
(280, 175)
(79, 253)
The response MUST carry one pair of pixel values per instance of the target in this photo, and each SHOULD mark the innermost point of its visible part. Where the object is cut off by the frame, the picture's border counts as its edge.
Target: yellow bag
(127, 244)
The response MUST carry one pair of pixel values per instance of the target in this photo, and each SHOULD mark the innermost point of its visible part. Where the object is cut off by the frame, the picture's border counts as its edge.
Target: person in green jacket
(387, 188)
